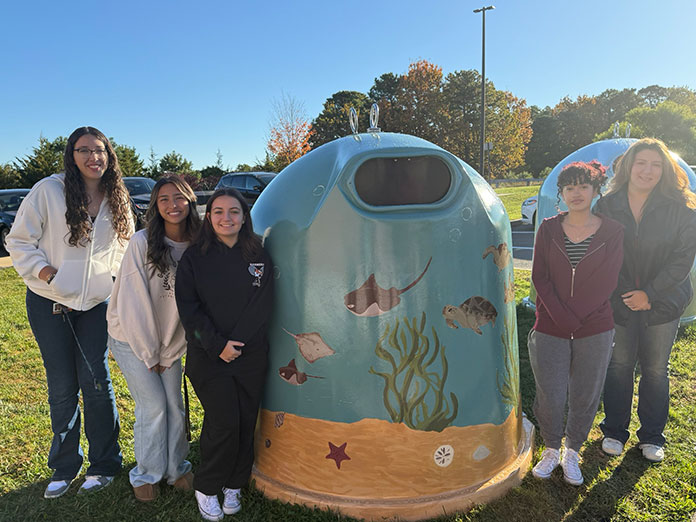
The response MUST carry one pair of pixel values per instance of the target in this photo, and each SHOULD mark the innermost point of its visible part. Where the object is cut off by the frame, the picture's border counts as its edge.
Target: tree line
(445, 110)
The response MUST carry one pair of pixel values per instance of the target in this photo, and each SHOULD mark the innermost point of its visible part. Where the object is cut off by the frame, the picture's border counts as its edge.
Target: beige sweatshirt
(142, 310)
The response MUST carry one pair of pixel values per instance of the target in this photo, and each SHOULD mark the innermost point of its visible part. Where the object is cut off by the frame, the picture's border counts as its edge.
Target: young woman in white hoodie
(67, 242)
(147, 339)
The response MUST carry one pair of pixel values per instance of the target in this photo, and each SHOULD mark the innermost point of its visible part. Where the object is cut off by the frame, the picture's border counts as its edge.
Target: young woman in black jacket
(650, 196)
(224, 296)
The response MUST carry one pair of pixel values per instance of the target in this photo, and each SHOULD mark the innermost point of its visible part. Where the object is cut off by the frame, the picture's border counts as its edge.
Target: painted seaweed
(412, 386)
(509, 383)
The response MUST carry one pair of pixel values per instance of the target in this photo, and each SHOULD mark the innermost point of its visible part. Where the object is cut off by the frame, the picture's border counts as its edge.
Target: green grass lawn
(512, 198)
(625, 488)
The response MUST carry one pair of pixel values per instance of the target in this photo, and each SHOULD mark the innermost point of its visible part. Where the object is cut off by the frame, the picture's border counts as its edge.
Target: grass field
(625, 488)
(512, 198)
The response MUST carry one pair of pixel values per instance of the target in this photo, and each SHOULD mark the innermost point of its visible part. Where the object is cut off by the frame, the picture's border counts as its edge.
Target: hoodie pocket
(100, 282)
(68, 280)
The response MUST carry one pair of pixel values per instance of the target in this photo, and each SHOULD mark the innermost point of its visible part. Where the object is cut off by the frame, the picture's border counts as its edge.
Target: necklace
(579, 233)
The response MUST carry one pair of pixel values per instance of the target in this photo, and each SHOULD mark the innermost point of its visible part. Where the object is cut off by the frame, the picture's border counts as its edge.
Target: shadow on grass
(601, 501)
(117, 503)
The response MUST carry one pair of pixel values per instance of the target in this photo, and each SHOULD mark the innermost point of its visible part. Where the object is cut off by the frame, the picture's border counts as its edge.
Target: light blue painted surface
(325, 242)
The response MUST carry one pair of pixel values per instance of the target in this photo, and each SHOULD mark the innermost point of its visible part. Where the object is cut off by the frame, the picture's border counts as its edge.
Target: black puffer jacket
(658, 255)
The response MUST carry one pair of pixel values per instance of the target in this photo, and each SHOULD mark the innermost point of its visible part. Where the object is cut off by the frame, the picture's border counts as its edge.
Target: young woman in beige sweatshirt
(147, 339)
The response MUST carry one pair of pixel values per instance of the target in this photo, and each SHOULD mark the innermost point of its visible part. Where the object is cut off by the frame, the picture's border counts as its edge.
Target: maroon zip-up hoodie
(574, 303)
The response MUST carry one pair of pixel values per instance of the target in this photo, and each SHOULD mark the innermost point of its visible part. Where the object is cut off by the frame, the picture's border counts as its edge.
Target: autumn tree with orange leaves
(445, 110)
(290, 131)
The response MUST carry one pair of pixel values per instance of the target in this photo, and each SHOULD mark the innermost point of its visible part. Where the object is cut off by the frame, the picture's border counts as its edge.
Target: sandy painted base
(387, 470)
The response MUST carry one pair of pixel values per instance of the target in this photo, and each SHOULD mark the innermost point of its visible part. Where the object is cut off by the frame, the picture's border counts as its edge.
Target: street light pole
(483, 10)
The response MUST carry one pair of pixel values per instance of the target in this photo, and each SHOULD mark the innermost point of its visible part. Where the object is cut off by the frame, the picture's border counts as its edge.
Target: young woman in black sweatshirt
(224, 294)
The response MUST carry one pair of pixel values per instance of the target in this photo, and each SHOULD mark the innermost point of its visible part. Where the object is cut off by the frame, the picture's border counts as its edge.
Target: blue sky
(196, 77)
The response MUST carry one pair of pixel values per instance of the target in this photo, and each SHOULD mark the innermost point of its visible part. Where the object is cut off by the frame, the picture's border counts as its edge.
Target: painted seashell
(481, 453)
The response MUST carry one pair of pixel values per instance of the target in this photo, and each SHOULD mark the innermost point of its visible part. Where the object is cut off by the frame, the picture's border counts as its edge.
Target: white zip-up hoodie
(39, 237)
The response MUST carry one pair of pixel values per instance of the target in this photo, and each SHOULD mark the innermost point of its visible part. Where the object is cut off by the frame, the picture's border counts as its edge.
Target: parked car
(139, 189)
(202, 197)
(250, 184)
(529, 210)
(10, 200)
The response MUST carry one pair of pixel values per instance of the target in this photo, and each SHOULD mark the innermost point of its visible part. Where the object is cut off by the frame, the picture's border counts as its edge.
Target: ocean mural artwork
(385, 397)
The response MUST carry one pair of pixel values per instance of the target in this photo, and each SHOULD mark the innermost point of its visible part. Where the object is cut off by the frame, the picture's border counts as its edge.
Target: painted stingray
(371, 299)
(292, 375)
(311, 345)
(501, 255)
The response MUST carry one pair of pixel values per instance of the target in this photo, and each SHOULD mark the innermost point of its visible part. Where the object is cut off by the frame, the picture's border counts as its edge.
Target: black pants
(230, 402)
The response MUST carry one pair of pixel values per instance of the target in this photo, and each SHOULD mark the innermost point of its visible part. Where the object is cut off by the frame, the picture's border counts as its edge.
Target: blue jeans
(67, 373)
(159, 437)
(651, 346)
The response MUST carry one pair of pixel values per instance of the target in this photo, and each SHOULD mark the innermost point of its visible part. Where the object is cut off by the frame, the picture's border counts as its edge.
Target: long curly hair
(158, 252)
(111, 184)
(674, 182)
(249, 242)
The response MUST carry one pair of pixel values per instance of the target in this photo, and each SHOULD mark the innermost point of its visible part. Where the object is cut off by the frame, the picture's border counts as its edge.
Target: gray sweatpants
(568, 368)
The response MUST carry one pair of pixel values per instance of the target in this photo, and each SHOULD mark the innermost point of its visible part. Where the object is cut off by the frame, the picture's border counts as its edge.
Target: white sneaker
(571, 467)
(549, 461)
(233, 501)
(94, 483)
(652, 452)
(57, 488)
(612, 447)
(209, 507)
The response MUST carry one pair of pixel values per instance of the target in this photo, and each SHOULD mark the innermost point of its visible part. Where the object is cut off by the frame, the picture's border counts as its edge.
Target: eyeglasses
(87, 152)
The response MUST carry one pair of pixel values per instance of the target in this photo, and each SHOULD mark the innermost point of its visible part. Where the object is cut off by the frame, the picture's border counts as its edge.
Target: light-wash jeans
(159, 432)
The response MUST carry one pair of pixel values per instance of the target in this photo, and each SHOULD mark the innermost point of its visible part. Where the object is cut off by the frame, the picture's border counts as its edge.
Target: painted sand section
(392, 470)
(384, 456)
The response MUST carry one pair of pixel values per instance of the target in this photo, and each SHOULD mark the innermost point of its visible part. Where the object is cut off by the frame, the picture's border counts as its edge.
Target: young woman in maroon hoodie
(577, 258)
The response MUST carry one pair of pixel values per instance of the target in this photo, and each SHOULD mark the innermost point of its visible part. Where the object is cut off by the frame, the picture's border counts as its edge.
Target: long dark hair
(111, 184)
(158, 252)
(249, 242)
(674, 182)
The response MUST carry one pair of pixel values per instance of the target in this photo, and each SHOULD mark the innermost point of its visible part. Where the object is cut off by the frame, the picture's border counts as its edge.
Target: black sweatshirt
(222, 297)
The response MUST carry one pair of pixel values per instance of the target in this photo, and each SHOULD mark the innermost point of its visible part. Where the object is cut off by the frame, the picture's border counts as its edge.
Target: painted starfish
(338, 453)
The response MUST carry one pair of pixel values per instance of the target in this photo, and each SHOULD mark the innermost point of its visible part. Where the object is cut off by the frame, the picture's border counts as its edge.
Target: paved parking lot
(522, 245)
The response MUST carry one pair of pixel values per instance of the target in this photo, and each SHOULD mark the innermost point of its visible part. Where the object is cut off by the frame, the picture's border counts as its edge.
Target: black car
(9, 205)
(250, 184)
(139, 189)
